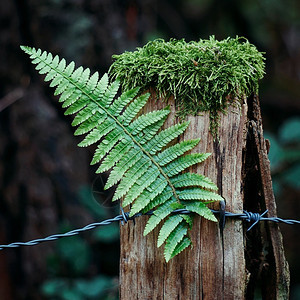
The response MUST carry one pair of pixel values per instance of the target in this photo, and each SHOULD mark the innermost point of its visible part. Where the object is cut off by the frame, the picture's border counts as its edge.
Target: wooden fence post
(236, 265)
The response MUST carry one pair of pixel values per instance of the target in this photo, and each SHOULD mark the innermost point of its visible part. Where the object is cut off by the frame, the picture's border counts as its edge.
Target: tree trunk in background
(216, 267)
(39, 188)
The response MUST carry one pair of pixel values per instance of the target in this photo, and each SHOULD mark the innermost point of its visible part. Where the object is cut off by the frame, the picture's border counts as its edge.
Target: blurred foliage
(284, 158)
(111, 233)
(74, 25)
(70, 267)
(97, 201)
(284, 155)
(99, 287)
(107, 236)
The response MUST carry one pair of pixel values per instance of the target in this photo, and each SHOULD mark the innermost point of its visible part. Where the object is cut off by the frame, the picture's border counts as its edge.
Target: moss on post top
(203, 76)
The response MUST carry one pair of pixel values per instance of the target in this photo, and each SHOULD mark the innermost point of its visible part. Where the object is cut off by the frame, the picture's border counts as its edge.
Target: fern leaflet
(147, 171)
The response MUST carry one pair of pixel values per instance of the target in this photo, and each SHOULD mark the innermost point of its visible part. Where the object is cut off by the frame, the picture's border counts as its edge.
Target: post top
(207, 75)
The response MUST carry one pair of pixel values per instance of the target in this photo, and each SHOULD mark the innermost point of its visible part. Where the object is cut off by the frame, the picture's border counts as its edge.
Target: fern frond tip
(28, 50)
(25, 48)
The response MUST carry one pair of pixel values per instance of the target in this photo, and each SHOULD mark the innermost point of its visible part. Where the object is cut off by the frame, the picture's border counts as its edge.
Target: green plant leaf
(198, 194)
(134, 147)
(184, 243)
(290, 131)
(192, 179)
(201, 209)
(167, 228)
(175, 237)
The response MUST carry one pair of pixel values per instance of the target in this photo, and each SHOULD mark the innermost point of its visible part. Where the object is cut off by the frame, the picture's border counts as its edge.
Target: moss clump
(207, 75)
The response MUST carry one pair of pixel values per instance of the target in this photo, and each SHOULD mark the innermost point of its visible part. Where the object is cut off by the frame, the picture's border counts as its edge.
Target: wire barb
(253, 217)
(124, 217)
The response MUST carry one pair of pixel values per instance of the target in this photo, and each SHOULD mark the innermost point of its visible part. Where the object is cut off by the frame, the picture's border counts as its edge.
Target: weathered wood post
(229, 266)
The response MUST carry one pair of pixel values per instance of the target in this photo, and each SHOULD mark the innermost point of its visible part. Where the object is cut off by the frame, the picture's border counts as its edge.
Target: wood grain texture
(274, 270)
(197, 273)
(208, 270)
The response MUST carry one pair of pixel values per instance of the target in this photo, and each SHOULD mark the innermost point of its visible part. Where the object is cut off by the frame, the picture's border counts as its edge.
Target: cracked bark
(240, 167)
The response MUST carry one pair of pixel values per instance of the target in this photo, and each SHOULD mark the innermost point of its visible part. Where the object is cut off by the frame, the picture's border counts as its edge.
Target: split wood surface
(215, 268)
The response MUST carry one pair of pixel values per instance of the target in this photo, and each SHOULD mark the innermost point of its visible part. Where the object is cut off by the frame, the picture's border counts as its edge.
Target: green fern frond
(175, 237)
(165, 137)
(124, 164)
(198, 194)
(164, 209)
(144, 121)
(146, 169)
(107, 144)
(180, 164)
(175, 151)
(164, 196)
(114, 155)
(201, 209)
(167, 228)
(192, 179)
(119, 104)
(189, 220)
(133, 108)
(154, 190)
(184, 243)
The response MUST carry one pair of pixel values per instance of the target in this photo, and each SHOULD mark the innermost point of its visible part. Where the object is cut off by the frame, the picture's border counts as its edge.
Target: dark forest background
(46, 183)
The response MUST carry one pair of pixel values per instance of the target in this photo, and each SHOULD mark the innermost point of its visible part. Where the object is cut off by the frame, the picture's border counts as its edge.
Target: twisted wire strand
(61, 235)
(124, 217)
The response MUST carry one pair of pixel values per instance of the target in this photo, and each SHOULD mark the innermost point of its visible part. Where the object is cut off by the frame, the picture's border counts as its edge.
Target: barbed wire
(124, 217)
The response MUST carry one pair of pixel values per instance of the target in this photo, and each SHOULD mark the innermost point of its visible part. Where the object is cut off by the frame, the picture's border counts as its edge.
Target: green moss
(207, 75)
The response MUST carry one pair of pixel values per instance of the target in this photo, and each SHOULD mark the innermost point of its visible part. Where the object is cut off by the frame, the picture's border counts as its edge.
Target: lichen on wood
(203, 76)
